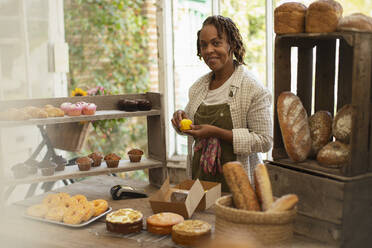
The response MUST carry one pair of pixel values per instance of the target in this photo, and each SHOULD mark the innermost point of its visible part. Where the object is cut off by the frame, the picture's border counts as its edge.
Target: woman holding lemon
(229, 112)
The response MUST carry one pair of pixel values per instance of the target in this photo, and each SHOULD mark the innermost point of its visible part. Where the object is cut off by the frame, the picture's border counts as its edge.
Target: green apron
(217, 115)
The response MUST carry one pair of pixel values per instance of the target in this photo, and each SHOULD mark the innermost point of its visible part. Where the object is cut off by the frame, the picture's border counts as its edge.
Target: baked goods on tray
(289, 18)
(124, 221)
(162, 223)
(191, 232)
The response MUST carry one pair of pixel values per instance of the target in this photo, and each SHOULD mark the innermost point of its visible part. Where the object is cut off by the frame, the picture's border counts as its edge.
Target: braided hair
(234, 39)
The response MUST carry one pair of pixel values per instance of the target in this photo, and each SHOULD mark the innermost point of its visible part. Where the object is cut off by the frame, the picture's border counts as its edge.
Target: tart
(191, 232)
(124, 221)
(162, 223)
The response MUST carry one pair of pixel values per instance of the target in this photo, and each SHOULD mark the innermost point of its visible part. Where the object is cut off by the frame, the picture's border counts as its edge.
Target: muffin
(191, 232)
(162, 223)
(127, 105)
(47, 168)
(135, 155)
(97, 158)
(143, 104)
(84, 163)
(32, 166)
(20, 170)
(61, 162)
(124, 221)
(112, 160)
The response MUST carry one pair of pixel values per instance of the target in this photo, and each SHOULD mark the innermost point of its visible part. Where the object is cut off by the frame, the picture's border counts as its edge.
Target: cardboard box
(160, 200)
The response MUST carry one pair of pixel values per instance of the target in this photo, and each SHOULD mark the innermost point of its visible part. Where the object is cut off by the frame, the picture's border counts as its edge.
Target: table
(17, 231)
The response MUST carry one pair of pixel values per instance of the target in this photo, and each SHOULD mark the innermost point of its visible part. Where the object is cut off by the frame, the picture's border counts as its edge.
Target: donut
(100, 206)
(56, 213)
(52, 200)
(73, 216)
(88, 210)
(63, 196)
(80, 198)
(38, 210)
(69, 203)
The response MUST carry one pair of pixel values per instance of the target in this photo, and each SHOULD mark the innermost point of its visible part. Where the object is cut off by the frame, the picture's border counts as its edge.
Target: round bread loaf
(320, 125)
(334, 155)
(342, 124)
(289, 18)
(355, 22)
(263, 187)
(323, 16)
(294, 126)
(284, 203)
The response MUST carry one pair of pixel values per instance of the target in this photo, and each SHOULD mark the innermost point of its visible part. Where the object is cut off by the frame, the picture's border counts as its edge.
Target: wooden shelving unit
(106, 109)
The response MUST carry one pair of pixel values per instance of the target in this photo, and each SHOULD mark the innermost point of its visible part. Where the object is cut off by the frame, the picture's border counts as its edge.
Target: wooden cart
(335, 204)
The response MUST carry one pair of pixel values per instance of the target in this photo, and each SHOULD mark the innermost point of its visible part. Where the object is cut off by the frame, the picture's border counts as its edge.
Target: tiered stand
(335, 204)
(106, 109)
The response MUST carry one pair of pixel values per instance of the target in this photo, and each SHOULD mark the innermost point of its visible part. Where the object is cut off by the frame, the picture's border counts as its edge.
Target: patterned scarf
(210, 159)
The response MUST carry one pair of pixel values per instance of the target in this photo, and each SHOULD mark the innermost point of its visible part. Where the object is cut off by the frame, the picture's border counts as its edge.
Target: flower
(98, 91)
(78, 92)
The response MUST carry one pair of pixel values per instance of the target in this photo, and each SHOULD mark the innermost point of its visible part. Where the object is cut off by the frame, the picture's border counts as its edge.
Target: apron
(217, 115)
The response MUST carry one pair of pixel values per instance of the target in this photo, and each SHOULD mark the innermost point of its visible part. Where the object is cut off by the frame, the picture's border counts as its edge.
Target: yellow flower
(78, 92)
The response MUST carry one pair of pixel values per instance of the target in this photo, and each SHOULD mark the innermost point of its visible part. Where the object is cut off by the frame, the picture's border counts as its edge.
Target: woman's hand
(206, 131)
(177, 118)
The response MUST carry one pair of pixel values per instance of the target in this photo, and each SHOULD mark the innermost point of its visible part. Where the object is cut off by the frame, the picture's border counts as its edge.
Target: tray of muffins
(72, 211)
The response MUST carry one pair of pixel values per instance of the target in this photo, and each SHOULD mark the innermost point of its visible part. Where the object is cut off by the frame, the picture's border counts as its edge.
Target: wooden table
(17, 231)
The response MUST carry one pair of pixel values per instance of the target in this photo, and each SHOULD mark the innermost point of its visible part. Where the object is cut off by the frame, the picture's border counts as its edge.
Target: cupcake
(32, 166)
(89, 109)
(144, 105)
(97, 158)
(84, 163)
(61, 162)
(65, 107)
(19, 170)
(47, 168)
(127, 105)
(75, 110)
(135, 155)
(112, 160)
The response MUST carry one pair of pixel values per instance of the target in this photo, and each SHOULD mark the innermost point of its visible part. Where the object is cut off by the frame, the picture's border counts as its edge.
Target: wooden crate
(353, 86)
(334, 209)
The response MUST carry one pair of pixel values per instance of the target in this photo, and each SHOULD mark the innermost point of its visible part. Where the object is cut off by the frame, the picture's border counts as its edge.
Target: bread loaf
(284, 203)
(242, 192)
(334, 155)
(323, 16)
(263, 187)
(355, 22)
(294, 125)
(342, 124)
(289, 18)
(320, 125)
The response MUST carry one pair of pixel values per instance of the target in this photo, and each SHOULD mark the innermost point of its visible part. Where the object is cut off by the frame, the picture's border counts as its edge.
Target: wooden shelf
(73, 172)
(100, 115)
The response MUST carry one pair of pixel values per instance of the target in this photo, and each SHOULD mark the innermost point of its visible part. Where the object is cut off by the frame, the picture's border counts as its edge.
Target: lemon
(185, 124)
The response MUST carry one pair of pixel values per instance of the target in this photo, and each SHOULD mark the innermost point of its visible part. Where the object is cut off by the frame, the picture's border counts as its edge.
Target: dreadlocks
(227, 26)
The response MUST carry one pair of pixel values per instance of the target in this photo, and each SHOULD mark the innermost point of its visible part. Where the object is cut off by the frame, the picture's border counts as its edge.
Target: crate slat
(305, 76)
(344, 74)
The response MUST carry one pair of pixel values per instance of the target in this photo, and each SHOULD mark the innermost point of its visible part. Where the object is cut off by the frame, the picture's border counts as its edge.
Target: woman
(230, 110)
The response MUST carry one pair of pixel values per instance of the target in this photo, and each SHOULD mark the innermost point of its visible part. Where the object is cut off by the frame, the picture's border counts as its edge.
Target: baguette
(284, 203)
(263, 187)
(243, 194)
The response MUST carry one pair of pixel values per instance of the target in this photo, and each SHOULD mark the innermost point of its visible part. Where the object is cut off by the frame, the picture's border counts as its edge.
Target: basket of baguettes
(255, 212)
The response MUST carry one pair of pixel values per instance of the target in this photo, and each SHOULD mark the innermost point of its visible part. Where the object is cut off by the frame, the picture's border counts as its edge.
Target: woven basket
(267, 228)
(68, 136)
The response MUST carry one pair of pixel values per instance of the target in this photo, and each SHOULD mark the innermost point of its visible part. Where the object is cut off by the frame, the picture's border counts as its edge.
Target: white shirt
(219, 95)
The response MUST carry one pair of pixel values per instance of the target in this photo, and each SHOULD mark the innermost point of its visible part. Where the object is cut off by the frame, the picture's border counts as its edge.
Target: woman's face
(214, 50)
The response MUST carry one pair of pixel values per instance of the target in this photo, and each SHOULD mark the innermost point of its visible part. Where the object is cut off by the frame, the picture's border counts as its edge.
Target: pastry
(38, 210)
(53, 112)
(342, 124)
(60, 161)
(191, 232)
(289, 18)
(89, 109)
(143, 104)
(237, 179)
(47, 167)
(284, 203)
(263, 187)
(124, 221)
(100, 206)
(323, 16)
(294, 126)
(97, 158)
(162, 223)
(334, 155)
(75, 110)
(65, 107)
(135, 155)
(84, 163)
(355, 22)
(112, 160)
(128, 105)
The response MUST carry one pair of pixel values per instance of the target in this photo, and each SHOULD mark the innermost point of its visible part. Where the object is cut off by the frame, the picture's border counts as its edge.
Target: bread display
(334, 155)
(237, 179)
(284, 203)
(294, 125)
(342, 124)
(289, 18)
(263, 187)
(322, 16)
(320, 125)
(355, 22)
(191, 232)
(162, 223)
(124, 221)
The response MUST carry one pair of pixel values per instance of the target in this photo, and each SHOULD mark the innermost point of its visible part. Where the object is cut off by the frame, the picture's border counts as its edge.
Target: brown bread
(323, 16)
(334, 155)
(290, 18)
(320, 125)
(342, 124)
(263, 187)
(294, 125)
(237, 179)
(355, 22)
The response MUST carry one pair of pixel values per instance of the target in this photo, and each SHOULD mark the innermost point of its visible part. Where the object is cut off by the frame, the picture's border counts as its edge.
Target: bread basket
(267, 228)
